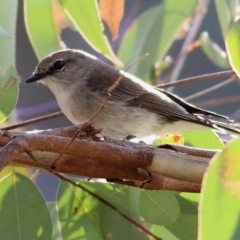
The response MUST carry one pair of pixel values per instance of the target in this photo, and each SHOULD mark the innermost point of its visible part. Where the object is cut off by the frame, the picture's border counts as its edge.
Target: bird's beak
(33, 78)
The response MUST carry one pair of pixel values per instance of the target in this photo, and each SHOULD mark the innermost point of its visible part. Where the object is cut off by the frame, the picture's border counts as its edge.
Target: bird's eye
(58, 65)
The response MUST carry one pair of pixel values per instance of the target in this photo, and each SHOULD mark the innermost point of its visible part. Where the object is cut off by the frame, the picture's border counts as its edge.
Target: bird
(80, 82)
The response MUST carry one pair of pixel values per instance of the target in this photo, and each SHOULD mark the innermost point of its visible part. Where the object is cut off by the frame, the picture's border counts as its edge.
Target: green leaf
(174, 16)
(8, 92)
(134, 43)
(213, 51)
(185, 227)
(203, 139)
(86, 18)
(24, 214)
(160, 26)
(233, 46)
(79, 213)
(191, 197)
(163, 232)
(158, 207)
(3, 33)
(94, 220)
(219, 204)
(224, 15)
(41, 28)
(56, 233)
(8, 15)
(124, 197)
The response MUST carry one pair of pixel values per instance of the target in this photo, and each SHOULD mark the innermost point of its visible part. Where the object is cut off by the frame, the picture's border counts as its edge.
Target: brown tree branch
(179, 168)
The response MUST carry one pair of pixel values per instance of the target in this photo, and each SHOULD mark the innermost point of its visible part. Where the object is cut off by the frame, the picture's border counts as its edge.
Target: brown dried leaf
(112, 13)
(59, 16)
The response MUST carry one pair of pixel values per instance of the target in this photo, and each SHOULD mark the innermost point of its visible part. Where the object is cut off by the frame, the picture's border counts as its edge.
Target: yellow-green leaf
(217, 55)
(24, 214)
(219, 208)
(8, 14)
(41, 28)
(203, 139)
(232, 42)
(8, 92)
(86, 18)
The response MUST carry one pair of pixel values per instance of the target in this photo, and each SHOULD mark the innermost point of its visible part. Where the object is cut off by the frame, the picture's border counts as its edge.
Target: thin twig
(33, 120)
(210, 89)
(102, 200)
(218, 101)
(197, 78)
(199, 16)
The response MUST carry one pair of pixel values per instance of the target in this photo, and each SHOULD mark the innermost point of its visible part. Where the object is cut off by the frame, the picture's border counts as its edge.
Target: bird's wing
(137, 94)
(189, 107)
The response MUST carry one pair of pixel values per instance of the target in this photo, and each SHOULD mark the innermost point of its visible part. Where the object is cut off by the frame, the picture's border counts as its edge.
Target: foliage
(170, 215)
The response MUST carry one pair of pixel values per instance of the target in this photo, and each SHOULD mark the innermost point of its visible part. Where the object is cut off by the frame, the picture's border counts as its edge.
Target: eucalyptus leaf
(186, 226)
(217, 55)
(219, 210)
(8, 92)
(86, 18)
(24, 214)
(41, 28)
(8, 26)
(160, 25)
(206, 139)
(224, 15)
(233, 46)
(159, 207)
(83, 216)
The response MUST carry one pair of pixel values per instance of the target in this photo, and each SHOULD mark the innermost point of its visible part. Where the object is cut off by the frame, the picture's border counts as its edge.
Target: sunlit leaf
(86, 18)
(185, 227)
(160, 26)
(213, 51)
(8, 15)
(206, 139)
(52, 207)
(219, 202)
(78, 210)
(94, 220)
(163, 232)
(8, 92)
(41, 28)
(224, 14)
(112, 13)
(162, 207)
(129, 51)
(233, 46)
(24, 214)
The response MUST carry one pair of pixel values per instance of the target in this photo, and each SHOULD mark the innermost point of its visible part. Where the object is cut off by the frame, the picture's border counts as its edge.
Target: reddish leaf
(112, 13)
(59, 15)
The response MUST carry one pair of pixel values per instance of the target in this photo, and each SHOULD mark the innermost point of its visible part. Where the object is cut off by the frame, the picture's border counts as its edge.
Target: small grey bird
(80, 81)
